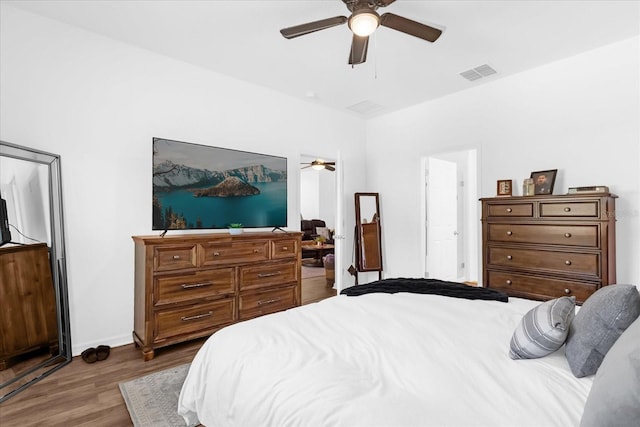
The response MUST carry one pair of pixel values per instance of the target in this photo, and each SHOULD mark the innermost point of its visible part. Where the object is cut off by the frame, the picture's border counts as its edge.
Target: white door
(442, 220)
(339, 237)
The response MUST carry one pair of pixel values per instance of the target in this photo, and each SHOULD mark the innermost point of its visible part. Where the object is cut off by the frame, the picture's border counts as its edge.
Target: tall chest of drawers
(544, 247)
(190, 286)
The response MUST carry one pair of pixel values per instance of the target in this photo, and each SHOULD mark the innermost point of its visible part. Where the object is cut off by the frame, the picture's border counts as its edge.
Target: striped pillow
(543, 329)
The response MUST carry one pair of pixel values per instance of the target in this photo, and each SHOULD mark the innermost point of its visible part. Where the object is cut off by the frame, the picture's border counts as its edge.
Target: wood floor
(315, 289)
(82, 394)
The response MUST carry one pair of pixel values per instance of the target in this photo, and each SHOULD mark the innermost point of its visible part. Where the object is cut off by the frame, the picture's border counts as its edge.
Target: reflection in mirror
(34, 315)
(368, 233)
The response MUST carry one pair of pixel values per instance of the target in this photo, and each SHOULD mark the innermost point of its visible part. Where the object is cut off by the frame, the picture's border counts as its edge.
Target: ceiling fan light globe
(317, 167)
(364, 23)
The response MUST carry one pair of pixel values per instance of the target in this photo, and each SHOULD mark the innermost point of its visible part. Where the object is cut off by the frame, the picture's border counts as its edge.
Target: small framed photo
(543, 181)
(504, 187)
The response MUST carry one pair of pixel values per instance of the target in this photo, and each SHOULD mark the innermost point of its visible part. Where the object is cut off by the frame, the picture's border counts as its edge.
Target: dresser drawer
(258, 303)
(589, 209)
(567, 235)
(233, 252)
(510, 210)
(195, 285)
(194, 318)
(284, 249)
(174, 257)
(259, 276)
(538, 287)
(565, 262)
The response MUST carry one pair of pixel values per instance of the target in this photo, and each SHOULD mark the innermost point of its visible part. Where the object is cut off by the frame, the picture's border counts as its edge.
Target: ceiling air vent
(366, 107)
(478, 72)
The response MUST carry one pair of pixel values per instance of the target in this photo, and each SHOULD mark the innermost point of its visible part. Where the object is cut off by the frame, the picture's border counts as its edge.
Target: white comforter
(380, 360)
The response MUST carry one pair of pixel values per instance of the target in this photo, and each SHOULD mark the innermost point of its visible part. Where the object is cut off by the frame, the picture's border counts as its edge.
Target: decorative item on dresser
(504, 187)
(189, 286)
(544, 247)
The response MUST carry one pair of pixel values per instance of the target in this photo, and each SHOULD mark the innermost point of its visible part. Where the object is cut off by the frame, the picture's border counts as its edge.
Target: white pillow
(543, 329)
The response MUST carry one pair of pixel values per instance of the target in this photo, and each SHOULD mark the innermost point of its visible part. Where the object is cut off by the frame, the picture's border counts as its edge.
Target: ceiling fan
(363, 22)
(320, 164)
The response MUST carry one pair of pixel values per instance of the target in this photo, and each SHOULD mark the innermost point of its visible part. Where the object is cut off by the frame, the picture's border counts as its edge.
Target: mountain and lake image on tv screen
(202, 187)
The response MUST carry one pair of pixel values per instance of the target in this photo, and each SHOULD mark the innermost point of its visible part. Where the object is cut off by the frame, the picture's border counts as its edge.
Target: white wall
(580, 115)
(98, 103)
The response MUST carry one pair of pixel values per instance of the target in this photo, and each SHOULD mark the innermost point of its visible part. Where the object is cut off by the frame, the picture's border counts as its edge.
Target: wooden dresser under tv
(189, 286)
(544, 247)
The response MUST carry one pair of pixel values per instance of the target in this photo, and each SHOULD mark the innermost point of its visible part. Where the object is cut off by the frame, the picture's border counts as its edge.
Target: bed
(382, 359)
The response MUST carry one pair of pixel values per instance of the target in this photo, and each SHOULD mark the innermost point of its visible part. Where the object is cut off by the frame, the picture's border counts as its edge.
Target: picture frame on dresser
(505, 187)
(544, 181)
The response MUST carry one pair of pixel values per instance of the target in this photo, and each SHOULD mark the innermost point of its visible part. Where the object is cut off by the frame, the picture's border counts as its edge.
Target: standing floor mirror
(35, 336)
(368, 241)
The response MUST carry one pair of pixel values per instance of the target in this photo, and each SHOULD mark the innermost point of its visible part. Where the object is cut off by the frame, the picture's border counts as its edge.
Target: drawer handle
(284, 248)
(567, 291)
(567, 209)
(567, 235)
(509, 257)
(216, 254)
(196, 317)
(176, 257)
(509, 210)
(196, 285)
(509, 233)
(269, 301)
(255, 251)
(567, 262)
(508, 282)
(262, 275)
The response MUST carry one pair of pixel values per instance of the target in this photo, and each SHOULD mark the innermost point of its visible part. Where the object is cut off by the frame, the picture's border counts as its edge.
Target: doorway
(450, 216)
(318, 203)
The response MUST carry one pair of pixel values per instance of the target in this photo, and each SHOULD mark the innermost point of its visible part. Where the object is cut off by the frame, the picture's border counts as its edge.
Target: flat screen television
(202, 187)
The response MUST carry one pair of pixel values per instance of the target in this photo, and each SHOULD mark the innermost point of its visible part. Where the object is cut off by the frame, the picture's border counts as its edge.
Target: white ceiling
(241, 38)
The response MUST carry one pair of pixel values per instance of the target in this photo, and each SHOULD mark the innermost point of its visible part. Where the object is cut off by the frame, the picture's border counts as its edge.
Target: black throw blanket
(426, 286)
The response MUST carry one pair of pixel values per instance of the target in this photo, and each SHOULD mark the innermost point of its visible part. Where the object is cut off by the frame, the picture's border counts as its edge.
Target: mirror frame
(361, 258)
(58, 269)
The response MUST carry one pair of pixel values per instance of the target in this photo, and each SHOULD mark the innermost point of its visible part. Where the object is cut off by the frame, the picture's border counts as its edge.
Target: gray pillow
(604, 316)
(614, 399)
(543, 329)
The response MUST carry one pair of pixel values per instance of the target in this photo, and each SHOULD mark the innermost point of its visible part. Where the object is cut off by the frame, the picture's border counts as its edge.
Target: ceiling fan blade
(304, 167)
(329, 168)
(310, 27)
(378, 3)
(410, 27)
(358, 53)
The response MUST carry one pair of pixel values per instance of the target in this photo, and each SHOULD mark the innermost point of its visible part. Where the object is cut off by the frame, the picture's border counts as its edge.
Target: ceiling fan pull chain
(375, 55)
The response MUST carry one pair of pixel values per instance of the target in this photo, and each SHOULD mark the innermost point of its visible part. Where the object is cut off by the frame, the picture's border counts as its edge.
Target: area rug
(152, 400)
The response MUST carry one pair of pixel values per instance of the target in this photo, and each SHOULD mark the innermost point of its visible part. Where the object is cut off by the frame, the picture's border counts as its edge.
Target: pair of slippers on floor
(92, 355)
